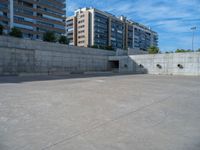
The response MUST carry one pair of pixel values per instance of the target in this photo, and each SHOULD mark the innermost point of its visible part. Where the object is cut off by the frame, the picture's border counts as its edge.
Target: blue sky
(172, 19)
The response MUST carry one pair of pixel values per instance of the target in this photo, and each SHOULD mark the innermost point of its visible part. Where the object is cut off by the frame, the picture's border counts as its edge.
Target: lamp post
(11, 14)
(193, 29)
(66, 15)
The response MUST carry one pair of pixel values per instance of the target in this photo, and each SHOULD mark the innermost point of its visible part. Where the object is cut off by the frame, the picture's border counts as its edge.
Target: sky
(171, 19)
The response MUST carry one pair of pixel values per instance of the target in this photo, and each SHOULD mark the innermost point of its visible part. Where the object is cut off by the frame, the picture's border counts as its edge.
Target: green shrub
(94, 46)
(153, 50)
(109, 48)
(183, 51)
(1, 29)
(63, 40)
(49, 36)
(15, 32)
(102, 47)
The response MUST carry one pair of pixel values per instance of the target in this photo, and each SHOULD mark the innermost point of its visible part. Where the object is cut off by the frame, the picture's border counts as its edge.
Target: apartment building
(33, 17)
(102, 29)
(71, 28)
(143, 37)
(83, 28)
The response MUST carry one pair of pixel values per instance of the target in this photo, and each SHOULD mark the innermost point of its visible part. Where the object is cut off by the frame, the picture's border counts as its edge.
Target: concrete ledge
(160, 64)
(100, 72)
(32, 74)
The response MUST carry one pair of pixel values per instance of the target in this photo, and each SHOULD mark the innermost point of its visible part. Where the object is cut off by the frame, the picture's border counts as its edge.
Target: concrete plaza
(122, 112)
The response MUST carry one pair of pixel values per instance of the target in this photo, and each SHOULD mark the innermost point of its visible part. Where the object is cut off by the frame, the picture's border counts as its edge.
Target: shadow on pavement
(22, 79)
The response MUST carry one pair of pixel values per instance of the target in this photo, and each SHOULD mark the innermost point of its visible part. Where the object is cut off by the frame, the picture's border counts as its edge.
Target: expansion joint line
(107, 122)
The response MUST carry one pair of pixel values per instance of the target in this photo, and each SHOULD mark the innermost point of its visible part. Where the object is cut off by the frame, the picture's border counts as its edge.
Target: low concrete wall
(19, 56)
(166, 64)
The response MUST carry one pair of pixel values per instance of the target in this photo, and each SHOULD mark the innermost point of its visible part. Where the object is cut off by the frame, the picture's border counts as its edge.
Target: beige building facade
(33, 17)
(94, 28)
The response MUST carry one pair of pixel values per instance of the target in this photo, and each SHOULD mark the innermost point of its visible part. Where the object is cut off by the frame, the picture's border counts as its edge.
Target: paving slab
(111, 112)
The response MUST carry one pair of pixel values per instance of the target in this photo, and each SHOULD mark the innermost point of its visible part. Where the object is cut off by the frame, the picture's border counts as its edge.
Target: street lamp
(193, 29)
(11, 13)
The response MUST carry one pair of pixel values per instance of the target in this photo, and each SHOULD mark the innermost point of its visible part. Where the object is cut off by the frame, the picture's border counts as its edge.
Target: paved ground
(130, 112)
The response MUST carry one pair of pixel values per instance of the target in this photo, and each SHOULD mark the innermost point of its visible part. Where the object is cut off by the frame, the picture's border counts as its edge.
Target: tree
(16, 32)
(63, 40)
(94, 46)
(153, 50)
(1, 29)
(49, 36)
(183, 51)
(198, 50)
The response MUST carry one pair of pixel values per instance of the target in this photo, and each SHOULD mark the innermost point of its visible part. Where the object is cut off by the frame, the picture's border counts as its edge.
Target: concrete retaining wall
(18, 56)
(166, 64)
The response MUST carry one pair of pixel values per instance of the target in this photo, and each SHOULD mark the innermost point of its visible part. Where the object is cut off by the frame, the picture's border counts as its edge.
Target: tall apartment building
(91, 27)
(71, 28)
(140, 37)
(33, 17)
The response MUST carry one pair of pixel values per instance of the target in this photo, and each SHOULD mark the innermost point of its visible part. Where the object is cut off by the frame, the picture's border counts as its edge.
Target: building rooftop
(121, 18)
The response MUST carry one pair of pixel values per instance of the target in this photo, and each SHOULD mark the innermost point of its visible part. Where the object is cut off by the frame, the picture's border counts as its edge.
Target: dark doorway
(114, 65)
